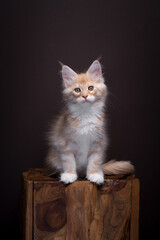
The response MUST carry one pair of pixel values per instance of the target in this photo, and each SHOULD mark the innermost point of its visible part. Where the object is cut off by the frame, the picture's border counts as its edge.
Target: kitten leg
(69, 167)
(94, 172)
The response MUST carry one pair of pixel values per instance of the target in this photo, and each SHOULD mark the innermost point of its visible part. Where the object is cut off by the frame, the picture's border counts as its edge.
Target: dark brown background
(39, 33)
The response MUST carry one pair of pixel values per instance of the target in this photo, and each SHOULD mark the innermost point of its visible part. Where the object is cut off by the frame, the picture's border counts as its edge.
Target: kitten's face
(86, 87)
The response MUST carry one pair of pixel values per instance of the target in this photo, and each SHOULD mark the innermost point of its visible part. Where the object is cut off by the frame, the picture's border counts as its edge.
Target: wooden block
(82, 210)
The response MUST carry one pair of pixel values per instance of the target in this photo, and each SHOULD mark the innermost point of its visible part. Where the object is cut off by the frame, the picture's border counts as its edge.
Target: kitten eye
(90, 88)
(77, 90)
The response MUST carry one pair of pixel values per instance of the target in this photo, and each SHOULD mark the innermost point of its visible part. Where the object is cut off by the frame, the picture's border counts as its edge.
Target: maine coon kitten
(78, 138)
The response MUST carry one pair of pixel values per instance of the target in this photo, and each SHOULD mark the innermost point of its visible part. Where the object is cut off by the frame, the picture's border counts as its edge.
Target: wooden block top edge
(40, 174)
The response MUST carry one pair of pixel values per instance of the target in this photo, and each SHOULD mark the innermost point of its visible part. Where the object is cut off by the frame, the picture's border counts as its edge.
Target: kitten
(78, 138)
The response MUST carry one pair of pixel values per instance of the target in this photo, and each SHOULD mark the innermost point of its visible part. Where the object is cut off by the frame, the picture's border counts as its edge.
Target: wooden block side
(81, 210)
(81, 198)
(49, 211)
(134, 225)
(112, 212)
(98, 213)
(26, 209)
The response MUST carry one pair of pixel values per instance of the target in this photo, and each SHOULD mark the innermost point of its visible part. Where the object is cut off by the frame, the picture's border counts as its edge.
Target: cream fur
(78, 138)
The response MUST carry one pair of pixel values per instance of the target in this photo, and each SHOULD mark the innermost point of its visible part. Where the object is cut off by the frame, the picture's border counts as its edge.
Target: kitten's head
(86, 87)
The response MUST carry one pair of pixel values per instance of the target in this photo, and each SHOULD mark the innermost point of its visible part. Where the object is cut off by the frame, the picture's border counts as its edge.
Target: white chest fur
(88, 115)
(87, 131)
(88, 125)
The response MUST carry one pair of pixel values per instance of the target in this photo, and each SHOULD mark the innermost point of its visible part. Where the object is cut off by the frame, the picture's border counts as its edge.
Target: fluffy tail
(117, 167)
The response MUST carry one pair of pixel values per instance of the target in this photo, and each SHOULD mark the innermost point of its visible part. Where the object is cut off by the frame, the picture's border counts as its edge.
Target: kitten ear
(68, 76)
(95, 71)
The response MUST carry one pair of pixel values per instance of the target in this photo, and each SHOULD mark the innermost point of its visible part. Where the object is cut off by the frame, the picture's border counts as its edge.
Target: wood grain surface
(81, 210)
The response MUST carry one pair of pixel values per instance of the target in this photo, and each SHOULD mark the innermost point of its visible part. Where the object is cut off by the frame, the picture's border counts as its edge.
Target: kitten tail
(117, 167)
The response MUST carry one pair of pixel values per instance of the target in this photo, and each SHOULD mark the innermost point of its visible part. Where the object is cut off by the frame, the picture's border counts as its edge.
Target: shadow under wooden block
(51, 210)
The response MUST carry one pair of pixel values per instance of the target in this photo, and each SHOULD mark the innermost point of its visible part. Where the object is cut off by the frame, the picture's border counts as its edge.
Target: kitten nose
(85, 96)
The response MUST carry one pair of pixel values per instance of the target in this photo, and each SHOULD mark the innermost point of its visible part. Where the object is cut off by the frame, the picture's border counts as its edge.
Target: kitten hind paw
(68, 177)
(96, 178)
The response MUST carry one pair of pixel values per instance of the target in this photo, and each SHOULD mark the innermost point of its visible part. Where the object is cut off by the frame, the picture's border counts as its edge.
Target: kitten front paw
(68, 177)
(96, 177)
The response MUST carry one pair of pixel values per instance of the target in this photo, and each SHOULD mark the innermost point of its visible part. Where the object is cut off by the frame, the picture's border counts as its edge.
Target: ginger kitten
(78, 138)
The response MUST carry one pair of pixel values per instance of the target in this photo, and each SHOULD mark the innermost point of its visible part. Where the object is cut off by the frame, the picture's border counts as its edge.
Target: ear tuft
(95, 71)
(68, 75)
(62, 64)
